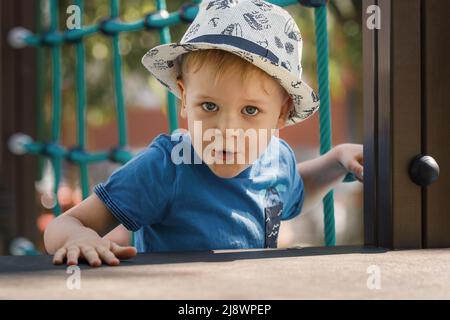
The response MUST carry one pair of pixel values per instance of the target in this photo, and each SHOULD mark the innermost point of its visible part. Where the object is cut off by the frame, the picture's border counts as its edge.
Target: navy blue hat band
(237, 42)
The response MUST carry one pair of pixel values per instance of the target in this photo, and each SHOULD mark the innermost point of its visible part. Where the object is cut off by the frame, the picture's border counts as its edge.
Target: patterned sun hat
(262, 33)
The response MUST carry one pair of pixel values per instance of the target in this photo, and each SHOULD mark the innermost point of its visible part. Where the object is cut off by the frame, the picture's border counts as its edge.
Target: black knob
(423, 170)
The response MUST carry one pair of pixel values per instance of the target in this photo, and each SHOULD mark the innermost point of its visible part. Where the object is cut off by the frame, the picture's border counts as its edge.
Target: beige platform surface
(297, 273)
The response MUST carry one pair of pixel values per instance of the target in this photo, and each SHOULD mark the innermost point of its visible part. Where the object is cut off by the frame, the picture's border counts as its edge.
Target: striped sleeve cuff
(115, 210)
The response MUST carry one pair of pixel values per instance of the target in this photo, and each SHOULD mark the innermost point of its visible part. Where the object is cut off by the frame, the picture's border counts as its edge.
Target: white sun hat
(262, 33)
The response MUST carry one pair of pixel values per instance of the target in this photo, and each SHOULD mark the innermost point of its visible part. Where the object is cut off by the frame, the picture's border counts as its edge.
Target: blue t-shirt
(186, 207)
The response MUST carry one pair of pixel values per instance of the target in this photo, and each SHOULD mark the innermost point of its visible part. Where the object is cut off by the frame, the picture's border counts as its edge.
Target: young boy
(229, 180)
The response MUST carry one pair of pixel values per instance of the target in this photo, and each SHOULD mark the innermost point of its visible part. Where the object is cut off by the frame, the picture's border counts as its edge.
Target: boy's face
(232, 104)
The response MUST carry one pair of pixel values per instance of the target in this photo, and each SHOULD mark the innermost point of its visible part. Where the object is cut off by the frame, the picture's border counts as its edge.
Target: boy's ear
(285, 108)
(182, 89)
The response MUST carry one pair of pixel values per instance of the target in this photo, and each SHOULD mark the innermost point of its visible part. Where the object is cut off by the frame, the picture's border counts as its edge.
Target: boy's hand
(91, 247)
(351, 158)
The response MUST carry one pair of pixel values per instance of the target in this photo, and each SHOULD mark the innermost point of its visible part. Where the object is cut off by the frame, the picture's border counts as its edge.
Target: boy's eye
(250, 110)
(209, 106)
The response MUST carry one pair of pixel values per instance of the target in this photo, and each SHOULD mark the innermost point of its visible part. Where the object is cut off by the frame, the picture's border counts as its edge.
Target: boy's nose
(228, 120)
(230, 128)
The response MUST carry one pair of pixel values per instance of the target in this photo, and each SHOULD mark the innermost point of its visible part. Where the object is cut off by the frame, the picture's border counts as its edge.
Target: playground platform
(295, 273)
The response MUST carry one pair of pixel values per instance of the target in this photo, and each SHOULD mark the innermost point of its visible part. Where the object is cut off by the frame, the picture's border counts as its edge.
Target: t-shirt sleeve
(295, 194)
(139, 192)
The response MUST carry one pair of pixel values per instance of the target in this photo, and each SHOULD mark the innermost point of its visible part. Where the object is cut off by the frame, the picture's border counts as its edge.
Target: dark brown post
(17, 114)
(436, 119)
(370, 122)
(392, 102)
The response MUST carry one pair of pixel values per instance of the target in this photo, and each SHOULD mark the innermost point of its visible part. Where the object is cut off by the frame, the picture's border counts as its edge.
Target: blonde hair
(223, 63)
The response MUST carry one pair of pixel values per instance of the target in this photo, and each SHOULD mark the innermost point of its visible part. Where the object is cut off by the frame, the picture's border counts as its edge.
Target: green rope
(324, 114)
(118, 83)
(41, 84)
(56, 100)
(164, 34)
(81, 105)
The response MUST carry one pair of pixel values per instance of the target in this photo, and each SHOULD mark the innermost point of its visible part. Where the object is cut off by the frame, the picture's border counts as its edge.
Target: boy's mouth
(224, 154)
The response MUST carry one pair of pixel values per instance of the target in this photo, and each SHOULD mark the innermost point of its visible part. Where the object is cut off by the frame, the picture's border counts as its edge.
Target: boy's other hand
(90, 247)
(351, 158)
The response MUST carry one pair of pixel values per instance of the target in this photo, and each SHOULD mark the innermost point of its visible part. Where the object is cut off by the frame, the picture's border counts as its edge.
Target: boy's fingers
(123, 252)
(59, 256)
(107, 256)
(72, 255)
(357, 169)
(91, 255)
